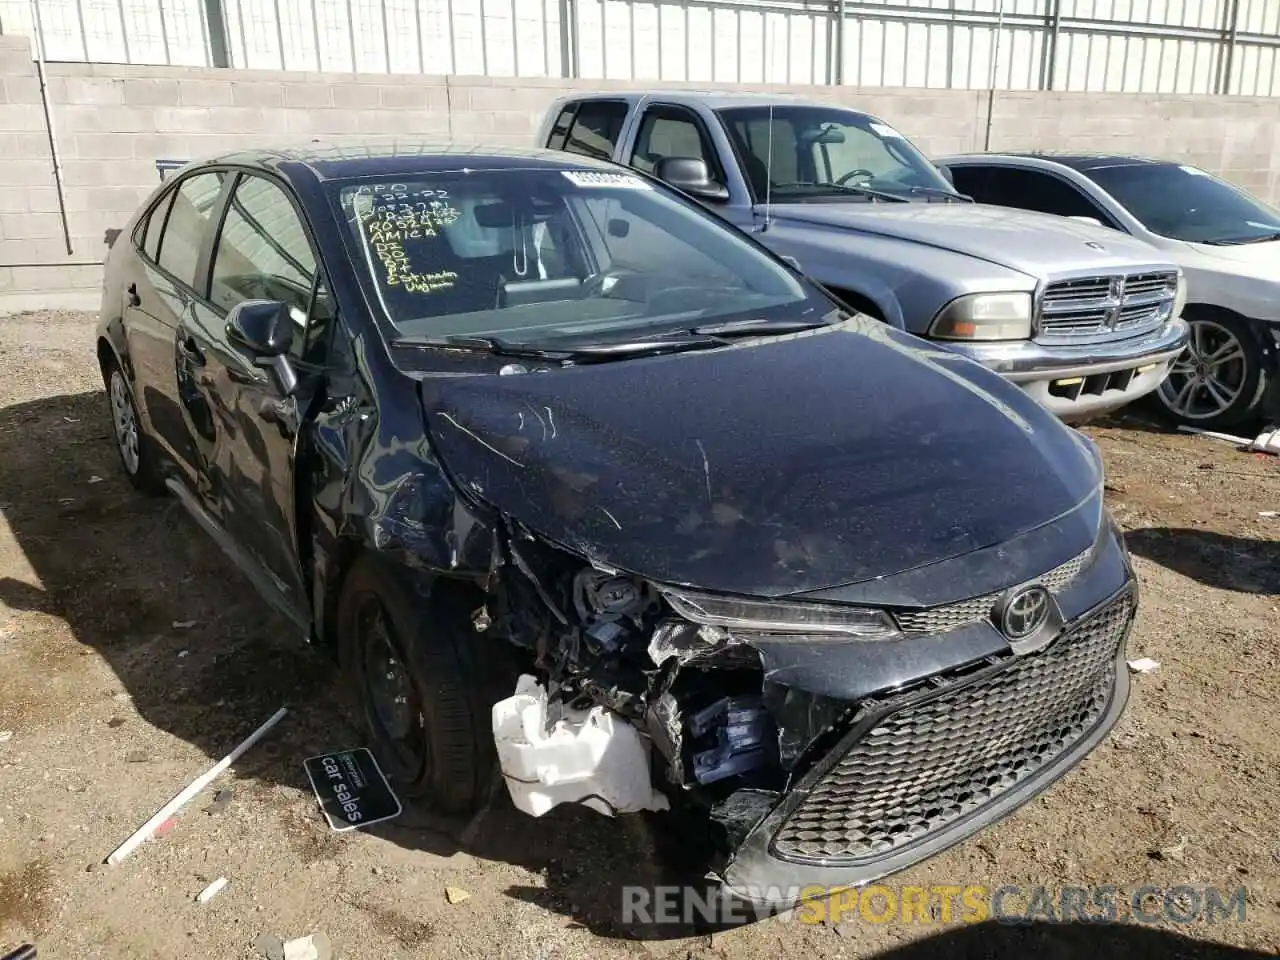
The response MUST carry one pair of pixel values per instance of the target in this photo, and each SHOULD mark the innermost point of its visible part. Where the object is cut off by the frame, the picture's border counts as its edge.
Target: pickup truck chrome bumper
(1085, 380)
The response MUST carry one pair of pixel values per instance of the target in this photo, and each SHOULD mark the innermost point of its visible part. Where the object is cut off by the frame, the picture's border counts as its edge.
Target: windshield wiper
(580, 353)
(940, 192)
(759, 327)
(858, 189)
(1241, 241)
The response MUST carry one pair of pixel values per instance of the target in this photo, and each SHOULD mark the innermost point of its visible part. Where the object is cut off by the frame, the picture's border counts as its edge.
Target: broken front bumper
(918, 774)
(1085, 380)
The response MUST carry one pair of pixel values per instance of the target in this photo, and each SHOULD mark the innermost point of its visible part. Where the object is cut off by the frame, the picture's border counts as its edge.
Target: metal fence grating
(1133, 46)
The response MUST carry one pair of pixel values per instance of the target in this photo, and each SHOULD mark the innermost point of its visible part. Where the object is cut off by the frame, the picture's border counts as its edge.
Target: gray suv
(1083, 318)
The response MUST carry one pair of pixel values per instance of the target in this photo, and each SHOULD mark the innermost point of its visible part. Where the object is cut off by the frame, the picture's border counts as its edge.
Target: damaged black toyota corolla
(576, 479)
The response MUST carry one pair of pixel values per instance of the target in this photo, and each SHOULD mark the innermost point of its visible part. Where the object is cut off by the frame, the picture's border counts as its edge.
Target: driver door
(263, 251)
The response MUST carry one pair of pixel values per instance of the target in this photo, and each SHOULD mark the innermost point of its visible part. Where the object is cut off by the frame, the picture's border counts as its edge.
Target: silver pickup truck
(1084, 319)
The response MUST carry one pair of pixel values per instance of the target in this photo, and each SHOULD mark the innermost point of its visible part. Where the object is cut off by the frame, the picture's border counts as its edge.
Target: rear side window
(560, 131)
(155, 224)
(188, 224)
(595, 129)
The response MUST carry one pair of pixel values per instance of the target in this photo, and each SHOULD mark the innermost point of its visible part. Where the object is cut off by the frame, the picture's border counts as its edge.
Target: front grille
(942, 619)
(1126, 304)
(926, 765)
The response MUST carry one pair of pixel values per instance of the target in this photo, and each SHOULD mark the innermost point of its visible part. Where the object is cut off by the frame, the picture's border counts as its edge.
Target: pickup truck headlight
(984, 316)
(833, 620)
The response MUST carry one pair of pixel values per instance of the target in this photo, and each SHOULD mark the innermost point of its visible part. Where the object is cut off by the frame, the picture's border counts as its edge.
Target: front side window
(187, 226)
(670, 132)
(809, 152)
(1039, 191)
(263, 254)
(538, 255)
(1186, 203)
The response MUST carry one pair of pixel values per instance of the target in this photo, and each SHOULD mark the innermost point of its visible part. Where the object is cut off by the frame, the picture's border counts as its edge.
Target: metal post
(1049, 54)
(837, 73)
(991, 78)
(1228, 50)
(59, 186)
(566, 38)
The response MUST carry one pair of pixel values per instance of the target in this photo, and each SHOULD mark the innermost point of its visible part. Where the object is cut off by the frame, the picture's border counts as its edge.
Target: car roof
(400, 156)
(1082, 162)
(714, 99)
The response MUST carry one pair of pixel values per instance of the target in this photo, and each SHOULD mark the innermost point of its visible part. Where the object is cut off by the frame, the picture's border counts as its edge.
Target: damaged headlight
(783, 616)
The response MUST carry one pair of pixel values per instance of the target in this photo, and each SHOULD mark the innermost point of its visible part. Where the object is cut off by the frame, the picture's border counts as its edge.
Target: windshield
(537, 255)
(1185, 203)
(809, 151)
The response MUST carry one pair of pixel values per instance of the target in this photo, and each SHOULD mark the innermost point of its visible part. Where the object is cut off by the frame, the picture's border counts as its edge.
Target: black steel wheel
(417, 675)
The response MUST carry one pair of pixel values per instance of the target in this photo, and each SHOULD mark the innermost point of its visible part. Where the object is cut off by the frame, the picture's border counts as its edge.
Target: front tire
(133, 443)
(1219, 381)
(418, 677)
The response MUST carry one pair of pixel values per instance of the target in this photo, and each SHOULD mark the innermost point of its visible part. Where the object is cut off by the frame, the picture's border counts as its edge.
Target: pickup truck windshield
(811, 152)
(1185, 203)
(553, 256)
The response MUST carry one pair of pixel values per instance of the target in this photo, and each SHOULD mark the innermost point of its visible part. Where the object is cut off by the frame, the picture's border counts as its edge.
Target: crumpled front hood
(786, 465)
(1038, 244)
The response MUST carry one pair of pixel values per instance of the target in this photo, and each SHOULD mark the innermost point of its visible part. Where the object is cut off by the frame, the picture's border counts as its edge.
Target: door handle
(134, 299)
(191, 351)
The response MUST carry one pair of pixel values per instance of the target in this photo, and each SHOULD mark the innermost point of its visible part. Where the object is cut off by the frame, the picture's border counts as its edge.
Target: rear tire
(1220, 380)
(418, 675)
(134, 445)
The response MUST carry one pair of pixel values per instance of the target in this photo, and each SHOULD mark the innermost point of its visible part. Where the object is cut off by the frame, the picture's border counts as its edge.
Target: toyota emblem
(1024, 612)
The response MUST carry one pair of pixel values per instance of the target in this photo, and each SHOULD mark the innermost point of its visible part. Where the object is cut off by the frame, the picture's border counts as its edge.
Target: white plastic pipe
(184, 796)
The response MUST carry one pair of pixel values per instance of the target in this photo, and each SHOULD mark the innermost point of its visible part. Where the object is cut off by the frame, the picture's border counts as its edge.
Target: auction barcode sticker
(599, 178)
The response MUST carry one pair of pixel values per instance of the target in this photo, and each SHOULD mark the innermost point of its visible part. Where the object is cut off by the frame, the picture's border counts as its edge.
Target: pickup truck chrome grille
(1105, 306)
(926, 766)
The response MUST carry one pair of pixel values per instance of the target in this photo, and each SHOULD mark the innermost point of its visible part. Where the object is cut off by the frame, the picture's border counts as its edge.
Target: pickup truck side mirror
(947, 175)
(690, 175)
(264, 329)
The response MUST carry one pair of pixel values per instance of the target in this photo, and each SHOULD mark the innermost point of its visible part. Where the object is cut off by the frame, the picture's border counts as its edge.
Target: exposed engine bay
(688, 703)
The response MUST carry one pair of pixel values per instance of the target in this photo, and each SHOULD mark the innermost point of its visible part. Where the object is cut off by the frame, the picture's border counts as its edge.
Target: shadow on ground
(1127, 941)
(204, 659)
(1214, 559)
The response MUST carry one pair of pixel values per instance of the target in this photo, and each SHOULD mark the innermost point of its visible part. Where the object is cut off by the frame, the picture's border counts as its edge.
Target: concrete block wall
(112, 122)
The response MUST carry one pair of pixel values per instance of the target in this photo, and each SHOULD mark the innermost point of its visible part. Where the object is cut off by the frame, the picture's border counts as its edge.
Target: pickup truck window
(589, 127)
(802, 152)
(667, 131)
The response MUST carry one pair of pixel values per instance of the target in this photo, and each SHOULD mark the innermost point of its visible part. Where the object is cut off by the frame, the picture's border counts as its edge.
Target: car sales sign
(351, 789)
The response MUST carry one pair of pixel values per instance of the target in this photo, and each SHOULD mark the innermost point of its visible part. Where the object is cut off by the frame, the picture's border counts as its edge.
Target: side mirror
(690, 175)
(947, 175)
(264, 329)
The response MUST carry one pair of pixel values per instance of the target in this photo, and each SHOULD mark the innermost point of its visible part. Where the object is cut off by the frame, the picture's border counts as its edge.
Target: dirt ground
(132, 655)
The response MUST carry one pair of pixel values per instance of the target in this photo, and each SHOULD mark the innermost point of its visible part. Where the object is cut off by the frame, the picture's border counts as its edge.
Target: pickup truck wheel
(133, 443)
(1219, 380)
(413, 671)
